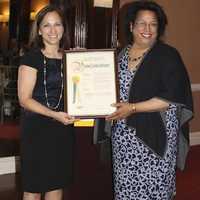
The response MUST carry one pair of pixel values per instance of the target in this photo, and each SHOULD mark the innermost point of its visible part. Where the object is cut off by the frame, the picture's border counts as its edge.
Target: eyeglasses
(143, 25)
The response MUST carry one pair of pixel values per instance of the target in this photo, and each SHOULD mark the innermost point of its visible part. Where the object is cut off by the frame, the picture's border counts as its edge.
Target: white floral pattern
(139, 174)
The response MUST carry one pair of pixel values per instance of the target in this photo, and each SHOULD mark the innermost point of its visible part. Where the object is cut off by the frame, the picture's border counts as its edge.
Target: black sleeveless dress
(47, 146)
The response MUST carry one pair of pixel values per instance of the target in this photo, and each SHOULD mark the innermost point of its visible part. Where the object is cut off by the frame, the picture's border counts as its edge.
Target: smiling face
(51, 29)
(145, 28)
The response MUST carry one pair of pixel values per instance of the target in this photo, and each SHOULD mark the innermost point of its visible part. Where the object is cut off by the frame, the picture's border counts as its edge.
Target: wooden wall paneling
(81, 24)
(114, 34)
(24, 21)
(14, 18)
(19, 21)
(99, 27)
(68, 7)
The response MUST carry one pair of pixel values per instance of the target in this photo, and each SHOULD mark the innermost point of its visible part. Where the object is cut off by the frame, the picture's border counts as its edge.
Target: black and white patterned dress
(139, 173)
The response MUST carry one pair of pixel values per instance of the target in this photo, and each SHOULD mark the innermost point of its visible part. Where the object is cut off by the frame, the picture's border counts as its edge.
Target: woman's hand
(63, 118)
(123, 111)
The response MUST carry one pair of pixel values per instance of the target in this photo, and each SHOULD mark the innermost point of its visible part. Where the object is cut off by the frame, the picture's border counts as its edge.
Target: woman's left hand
(123, 111)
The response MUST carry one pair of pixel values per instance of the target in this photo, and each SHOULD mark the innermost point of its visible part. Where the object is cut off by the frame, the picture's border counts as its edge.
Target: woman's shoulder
(168, 55)
(34, 52)
(122, 51)
(166, 49)
(31, 58)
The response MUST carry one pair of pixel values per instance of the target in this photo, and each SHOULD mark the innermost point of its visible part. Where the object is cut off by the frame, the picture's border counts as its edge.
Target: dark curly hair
(36, 40)
(132, 12)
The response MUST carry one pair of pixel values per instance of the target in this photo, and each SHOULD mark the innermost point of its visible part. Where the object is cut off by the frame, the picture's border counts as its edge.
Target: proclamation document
(90, 83)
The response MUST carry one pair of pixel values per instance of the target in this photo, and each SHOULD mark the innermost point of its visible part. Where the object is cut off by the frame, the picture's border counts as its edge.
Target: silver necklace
(45, 85)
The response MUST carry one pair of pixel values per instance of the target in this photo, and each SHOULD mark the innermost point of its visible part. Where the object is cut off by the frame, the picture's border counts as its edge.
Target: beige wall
(195, 123)
(183, 32)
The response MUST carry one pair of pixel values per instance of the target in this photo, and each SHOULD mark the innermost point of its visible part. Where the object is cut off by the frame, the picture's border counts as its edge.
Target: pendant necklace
(45, 86)
(136, 59)
(132, 61)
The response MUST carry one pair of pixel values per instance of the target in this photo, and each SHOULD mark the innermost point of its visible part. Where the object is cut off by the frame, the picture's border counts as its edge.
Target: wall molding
(9, 164)
(195, 138)
(195, 87)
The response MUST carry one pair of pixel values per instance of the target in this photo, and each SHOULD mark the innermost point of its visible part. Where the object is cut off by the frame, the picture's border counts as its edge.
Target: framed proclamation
(90, 83)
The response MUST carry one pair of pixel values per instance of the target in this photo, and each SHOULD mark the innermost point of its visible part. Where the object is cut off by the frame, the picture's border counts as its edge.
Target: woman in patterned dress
(150, 129)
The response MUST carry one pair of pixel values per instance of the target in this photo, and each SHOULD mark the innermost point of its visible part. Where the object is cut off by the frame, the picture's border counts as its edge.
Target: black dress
(47, 145)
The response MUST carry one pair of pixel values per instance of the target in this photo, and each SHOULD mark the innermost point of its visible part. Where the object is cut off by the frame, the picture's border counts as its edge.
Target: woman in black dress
(47, 132)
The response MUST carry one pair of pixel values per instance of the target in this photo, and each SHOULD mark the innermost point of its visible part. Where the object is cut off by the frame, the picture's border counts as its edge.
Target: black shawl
(162, 74)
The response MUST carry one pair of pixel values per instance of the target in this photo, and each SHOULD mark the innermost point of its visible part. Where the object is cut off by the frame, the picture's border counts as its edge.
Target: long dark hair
(36, 40)
(132, 12)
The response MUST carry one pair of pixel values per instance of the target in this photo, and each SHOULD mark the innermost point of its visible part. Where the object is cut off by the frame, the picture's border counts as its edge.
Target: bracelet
(133, 107)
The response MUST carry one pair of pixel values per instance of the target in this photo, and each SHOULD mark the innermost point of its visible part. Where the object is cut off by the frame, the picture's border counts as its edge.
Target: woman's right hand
(124, 109)
(63, 118)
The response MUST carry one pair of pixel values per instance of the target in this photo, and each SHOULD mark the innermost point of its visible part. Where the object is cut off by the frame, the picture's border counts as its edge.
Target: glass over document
(90, 83)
